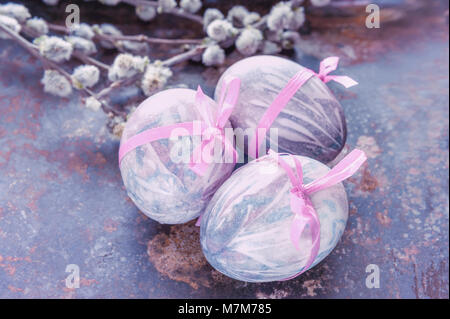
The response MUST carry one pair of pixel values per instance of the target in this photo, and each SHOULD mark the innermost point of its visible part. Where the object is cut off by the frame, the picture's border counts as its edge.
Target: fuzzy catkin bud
(92, 103)
(126, 66)
(290, 39)
(85, 76)
(249, 41)
(236, 15)
(280, 16)
(54, 48)
(251, 18)
(82, 45)
(155, 78)
(56, 84)
(214, 55)
(298, 19)
(110, 2)
(37, 27)
(11, 24)
(145, 13)
(210, 15)
(191, 6)
(16, 11)
(166, 5)
(320, 3)
(219, 30)
(51, 2)
(83, 30)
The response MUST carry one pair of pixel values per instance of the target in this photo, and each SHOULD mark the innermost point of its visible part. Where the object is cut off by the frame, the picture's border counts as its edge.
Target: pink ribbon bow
(300, 202)
(329, 65)
(212, 127)
(295, 83)
(215, 123)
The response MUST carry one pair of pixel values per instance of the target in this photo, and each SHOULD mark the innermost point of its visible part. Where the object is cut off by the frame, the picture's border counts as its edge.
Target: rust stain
(6, 263)
(433, 282)
(87, 282)
(14, 289)
(409, 254)
(311, 286)
(347, 36)
(276, 294)
(179, 256)
(371, 241)
(368, 183)
(110, 225)
(383, 218)
(10, 269)
(369, 145)
(33, 249)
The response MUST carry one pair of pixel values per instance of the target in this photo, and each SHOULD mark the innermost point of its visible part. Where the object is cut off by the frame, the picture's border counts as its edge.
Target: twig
(261, 23)
(178, 12)
(134, 38)
(181, 13)
(144, 38)
(79, 55)
(184, 56)
(31, 48)
(48, 64)
(89, 60)
(117, 84)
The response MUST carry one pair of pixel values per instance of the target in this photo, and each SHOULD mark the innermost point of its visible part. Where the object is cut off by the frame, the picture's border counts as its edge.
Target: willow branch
(176, 11)
(134, 38)
(89, 60)
(184, 56)
(48, 64)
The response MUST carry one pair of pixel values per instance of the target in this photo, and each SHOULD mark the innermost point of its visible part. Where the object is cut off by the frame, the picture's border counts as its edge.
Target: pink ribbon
(211, 127)
(300, 202)
(329, 65)
(296, 82)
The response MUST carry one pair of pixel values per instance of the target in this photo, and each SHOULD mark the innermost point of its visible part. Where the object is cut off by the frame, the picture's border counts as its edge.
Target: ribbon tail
(344, 80)
(199, 168)
(228, 145)
(281, 100)
(343, 170)
(228, 98)
(154, 134)
(199, 221)
(203, 109)
(307, 217)
(197, 163)
(297, 227)
(328, 65)
(314, 226)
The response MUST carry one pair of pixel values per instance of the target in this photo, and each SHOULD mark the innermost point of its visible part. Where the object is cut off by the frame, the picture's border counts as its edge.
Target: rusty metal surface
(62, 200)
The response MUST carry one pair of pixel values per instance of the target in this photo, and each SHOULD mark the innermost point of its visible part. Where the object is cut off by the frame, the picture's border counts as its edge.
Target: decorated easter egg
(311, 124)
(157, 175)
(246, 228)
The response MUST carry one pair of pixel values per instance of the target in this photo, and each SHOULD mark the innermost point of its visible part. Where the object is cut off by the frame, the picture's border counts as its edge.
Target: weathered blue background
(62, 200)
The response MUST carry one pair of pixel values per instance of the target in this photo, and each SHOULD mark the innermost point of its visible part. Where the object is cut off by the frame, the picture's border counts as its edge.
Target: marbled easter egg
(312, 123)
(245, 230)
(156, 178)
